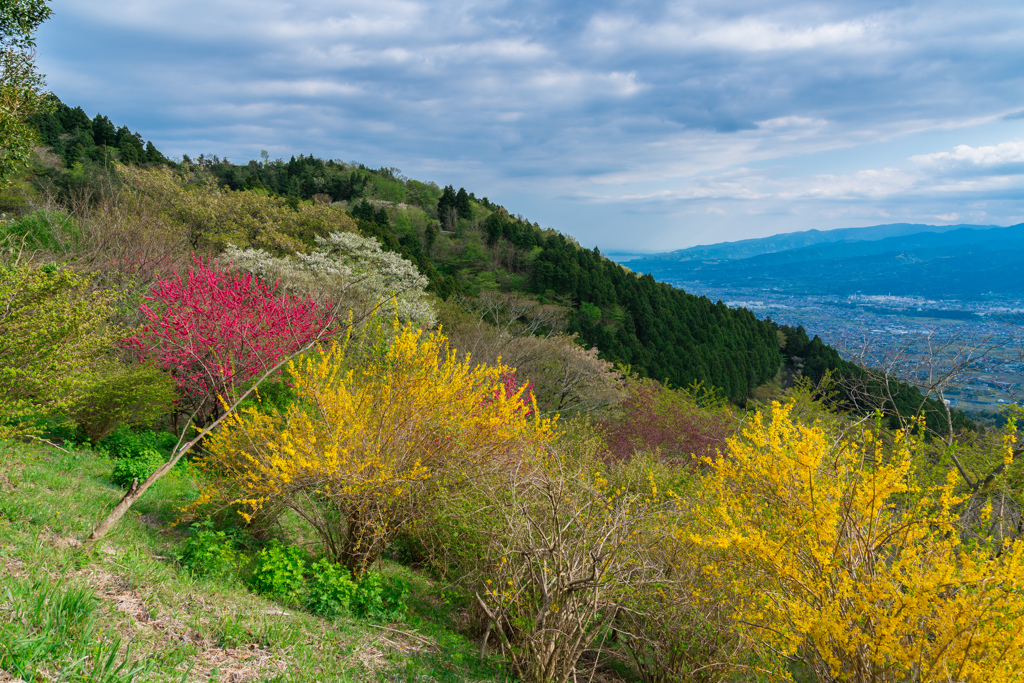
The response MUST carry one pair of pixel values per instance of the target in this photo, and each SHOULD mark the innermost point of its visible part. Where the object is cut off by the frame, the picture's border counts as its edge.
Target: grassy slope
(128, 601)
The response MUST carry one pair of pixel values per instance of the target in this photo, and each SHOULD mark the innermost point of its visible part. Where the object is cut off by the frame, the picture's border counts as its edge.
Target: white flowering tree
(348, 269)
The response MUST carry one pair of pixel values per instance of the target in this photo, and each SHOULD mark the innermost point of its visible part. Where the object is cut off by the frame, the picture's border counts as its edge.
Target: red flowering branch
(509, 385)
(214, 330)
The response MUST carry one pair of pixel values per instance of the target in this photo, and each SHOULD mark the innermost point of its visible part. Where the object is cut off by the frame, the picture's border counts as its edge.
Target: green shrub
(127, 443)
(122, 395)
(270, 396)
(52, 330)
(208, 552)
(53, 232)
(331, 589)
(380, 598)
(280, 573)
(138, 467)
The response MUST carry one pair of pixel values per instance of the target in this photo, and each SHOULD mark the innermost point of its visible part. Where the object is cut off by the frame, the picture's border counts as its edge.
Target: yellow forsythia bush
(839, 556)
(364, 441)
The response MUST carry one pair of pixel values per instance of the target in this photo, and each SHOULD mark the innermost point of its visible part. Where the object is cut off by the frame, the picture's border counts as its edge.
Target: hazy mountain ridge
(953, 262)
(742, 249)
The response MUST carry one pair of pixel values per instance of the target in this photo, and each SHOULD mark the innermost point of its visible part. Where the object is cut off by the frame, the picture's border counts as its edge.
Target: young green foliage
(129, 471)
(117, 394)
(21, 85)
(52, 330)
(208, 552)
(211, 216)
(280, 572)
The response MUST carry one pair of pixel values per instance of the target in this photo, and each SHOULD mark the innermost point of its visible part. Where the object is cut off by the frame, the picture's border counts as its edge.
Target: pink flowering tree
(214, 331)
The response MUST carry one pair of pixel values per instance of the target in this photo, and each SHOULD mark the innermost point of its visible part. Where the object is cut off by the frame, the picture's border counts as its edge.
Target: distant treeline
(75, 138)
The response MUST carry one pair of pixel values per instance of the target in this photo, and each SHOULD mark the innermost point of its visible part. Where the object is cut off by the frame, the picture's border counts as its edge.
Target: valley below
(938, 306)
(975, 347)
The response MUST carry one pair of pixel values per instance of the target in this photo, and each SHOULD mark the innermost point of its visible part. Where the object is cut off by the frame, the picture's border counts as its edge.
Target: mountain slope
(466, 245)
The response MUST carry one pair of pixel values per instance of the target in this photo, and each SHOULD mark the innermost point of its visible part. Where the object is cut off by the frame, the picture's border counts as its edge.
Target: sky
(632, 126)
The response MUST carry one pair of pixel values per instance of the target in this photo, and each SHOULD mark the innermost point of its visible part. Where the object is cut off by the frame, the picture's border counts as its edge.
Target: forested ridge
(75, 138)
(655, 329)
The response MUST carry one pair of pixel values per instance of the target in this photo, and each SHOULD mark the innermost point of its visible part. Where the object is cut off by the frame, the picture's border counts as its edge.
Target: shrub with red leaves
(682, 424)
(214, 330)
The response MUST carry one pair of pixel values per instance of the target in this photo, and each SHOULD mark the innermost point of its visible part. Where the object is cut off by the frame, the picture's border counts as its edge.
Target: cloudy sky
(631, 125)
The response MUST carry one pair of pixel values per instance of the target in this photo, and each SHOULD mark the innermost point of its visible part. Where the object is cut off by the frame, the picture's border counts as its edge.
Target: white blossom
(349, 269)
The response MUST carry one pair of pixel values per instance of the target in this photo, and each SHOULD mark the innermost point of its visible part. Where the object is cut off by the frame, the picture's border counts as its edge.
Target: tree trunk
(135, 492)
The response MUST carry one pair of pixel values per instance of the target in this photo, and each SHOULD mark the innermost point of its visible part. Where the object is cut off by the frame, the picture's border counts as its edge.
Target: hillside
(142, 608)
(465, 246)
(250, 430)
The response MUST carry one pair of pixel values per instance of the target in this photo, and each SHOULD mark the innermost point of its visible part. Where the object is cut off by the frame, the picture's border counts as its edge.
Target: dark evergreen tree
(103, 131)
(462, 204)
(130, 146)
(447, 207)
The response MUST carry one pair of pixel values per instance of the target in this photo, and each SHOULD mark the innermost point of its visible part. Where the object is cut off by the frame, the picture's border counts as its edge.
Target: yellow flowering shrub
(841, 557)
(366, 438)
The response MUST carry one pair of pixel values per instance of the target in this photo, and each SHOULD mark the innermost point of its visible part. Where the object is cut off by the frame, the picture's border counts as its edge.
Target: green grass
(124, 611)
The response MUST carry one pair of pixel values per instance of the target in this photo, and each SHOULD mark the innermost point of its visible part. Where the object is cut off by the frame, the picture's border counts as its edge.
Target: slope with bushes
(660, 539)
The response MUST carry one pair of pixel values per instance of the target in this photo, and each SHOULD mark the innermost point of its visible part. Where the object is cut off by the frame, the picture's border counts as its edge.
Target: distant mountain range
(938, 262)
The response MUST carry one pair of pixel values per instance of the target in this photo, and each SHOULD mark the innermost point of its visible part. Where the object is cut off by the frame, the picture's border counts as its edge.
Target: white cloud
(716, 109)
(788, 123)
(303, 88)
(756, 34)
(1005, 157)
(255, 20)
(924, 179)
(693, 31)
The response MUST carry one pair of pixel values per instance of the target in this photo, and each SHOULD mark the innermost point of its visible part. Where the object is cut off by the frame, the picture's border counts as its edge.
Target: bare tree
(938, 361)
(528, 336)
(561, 551)
(934, 363)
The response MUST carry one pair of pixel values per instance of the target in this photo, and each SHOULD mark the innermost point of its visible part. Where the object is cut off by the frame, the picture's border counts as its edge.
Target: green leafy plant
(118, 394)
(52, 329)
(138, 467)
(380, 598)
(280, 573)
(49, 231)
(128, 443)
(271, 396)
(22, 88)
(209, 552)
(331, 589)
